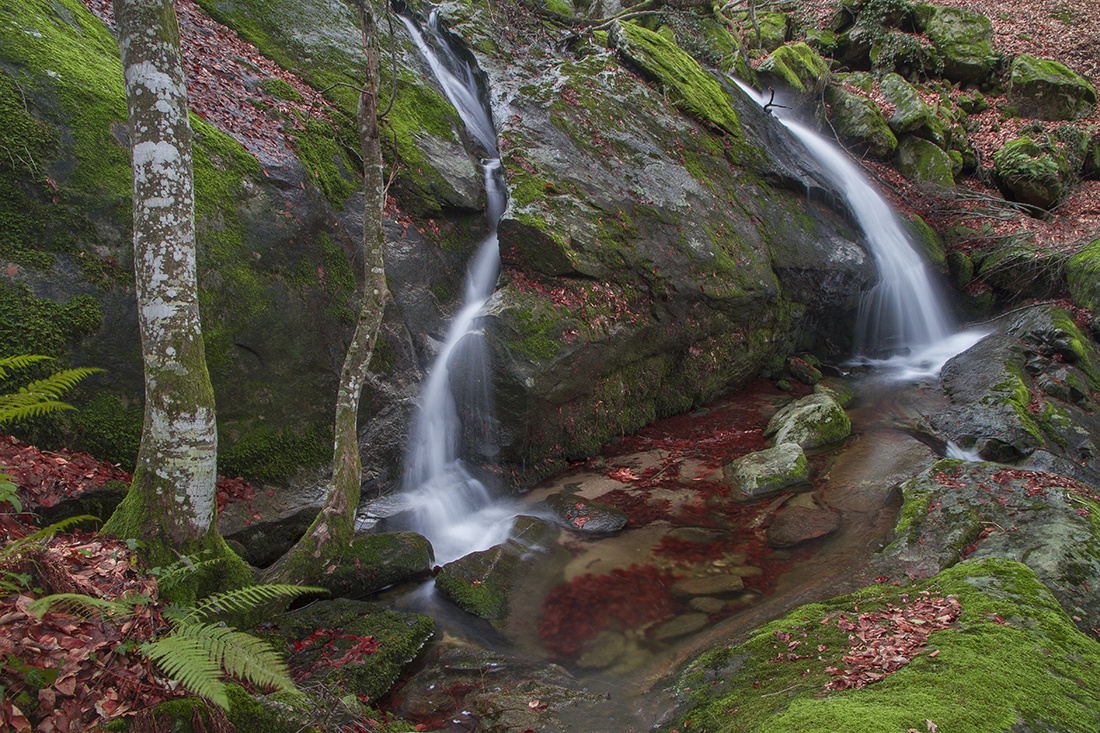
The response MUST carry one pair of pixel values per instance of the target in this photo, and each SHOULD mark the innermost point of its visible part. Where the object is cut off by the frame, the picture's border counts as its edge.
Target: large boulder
(1032, 173)
(1083, 276)
(921, 160)
(796, 66)
(910, 111)
(858, 119)
(1048, 90)
(962, 38)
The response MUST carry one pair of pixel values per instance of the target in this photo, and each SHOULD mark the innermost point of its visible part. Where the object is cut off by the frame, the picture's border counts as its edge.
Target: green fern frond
(16, 407)
(16, 547)
(242, 655)
(247, 599)
(189, 659)
(60, 382)
(182, 569)
(13, 363)
(81, 604)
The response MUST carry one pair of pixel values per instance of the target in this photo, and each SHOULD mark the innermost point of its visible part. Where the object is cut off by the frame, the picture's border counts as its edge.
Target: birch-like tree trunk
(171, 503)
(335, 524)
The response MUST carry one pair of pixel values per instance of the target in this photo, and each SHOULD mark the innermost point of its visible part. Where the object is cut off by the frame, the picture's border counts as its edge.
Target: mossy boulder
(921, 160)
(811, 421)
(482, 582)
(343, 624)
(1032, 173)
(1012, 654)
(962, 38)
(769, 471)
(1083, 276)
(859, 121)
(1048, 90)
(774, 30)
(376, 561)
(841, 390)
(910, 111)
(796, 66)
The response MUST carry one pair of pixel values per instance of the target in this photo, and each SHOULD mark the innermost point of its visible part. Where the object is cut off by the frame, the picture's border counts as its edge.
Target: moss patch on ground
(1013, 656)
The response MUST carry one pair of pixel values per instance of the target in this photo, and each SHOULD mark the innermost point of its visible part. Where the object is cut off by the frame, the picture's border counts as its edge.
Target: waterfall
(451, 507)
(904, 315)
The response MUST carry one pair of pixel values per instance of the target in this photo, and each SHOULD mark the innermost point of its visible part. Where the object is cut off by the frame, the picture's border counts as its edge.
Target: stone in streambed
(768, 471)
(709, 585)
(795, 525)
(812, 421)
(376, 561)
(682, 625)
(581, 515)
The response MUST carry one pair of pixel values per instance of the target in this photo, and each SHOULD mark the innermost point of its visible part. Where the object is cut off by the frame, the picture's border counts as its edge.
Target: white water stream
(454, 509)
(903, 328)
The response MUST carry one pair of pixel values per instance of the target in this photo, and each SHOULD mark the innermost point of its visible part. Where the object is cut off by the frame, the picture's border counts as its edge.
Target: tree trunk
(335, 524)
(171, 504)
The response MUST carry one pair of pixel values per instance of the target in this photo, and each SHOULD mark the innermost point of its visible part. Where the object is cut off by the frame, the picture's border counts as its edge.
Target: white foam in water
(964, 454)
(904, 314)
(451, 507)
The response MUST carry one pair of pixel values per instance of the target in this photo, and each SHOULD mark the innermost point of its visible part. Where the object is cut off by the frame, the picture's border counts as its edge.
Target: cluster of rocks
(930, 68)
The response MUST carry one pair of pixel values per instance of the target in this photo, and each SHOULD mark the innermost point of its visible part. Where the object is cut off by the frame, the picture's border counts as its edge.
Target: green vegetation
(1012, 655)
(266, 454)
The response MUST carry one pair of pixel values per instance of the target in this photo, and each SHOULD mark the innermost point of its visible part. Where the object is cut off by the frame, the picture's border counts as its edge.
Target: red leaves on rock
(884, 641)
(333, 650)
(46, 477)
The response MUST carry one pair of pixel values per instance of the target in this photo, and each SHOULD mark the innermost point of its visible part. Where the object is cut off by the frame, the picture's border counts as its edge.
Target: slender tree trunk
(335, 524)
(171, 502)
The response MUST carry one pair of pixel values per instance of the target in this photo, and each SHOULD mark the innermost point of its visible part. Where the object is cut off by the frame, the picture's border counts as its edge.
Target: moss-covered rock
(860, 121)
(1048, 90)
(376, 561)
(344, 625)
(924, 161)
(962, 38)
(769, 471)
(1031, 173)
(1083, 276)
(1012, 655)
(810, 422)
(910, 111)
(768, 32)
(796, 66)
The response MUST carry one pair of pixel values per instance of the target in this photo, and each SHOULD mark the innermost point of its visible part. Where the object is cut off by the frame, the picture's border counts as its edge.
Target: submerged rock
(585, 516)
(794, 525)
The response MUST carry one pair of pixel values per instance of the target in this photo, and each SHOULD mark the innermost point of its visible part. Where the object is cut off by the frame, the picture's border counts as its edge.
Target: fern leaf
(11, 410)
(247, 598)
(59, 383)
(181, 570)
(189, 659)
(16, 547)
(81, 604)
(12, 363)
(242, 655)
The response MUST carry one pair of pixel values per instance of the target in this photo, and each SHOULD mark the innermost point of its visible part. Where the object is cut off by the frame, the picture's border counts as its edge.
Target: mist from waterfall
(903, 325)
(451, 506)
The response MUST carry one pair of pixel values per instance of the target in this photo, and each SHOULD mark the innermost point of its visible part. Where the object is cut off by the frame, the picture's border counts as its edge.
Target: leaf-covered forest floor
(81, 669)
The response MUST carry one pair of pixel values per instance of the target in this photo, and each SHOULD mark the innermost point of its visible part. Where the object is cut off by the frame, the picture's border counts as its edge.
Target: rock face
(654, 255)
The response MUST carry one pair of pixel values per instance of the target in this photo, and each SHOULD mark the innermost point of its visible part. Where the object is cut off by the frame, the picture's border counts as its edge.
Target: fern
(196, 655)
(245, 599)
(40, 396)
(19, 546)
(78, 603)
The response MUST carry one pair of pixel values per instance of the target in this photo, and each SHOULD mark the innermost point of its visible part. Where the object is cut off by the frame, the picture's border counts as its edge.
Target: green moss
(339, 280)
(696, 91)
(281, 89)
(263, 453)
(109, 427)
(987, 674)
(539, 336)
(323, 149)
(31, 325)
(63, 172)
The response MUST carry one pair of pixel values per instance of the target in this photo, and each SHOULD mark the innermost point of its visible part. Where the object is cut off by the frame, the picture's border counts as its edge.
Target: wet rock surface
(797, 524)
(768, 472)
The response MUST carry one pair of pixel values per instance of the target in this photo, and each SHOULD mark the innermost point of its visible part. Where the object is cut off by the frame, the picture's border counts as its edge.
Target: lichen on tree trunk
(171, 504)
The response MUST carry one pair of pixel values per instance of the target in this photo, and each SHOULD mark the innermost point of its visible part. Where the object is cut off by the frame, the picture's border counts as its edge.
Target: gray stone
(811, 421)
(707, 585)
(922, 160)
(681, 625)
(768, 471)
(962, 37)
(797, 524)
(860, 121)
(584, 516)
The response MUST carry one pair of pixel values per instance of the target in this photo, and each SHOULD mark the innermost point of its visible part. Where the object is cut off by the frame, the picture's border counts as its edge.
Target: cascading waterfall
(451, 507)
(904, 314)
